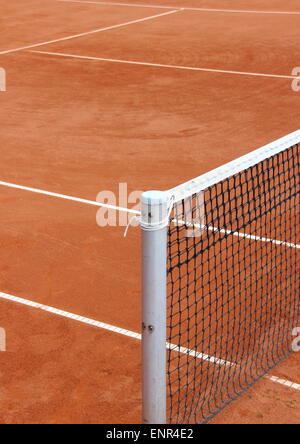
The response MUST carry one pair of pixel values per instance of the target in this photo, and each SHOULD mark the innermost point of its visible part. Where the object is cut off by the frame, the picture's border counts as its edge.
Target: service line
(95, 31)
(159, 65)
(216, 10)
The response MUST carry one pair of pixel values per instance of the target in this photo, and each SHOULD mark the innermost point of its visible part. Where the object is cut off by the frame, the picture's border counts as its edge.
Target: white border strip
(131, 334)
(63, 196)
(230, 169)
(158, 65)
(109, 327)
(74, 317)
(236, 233)
(199, 355)
(289, 384)
(63, 39)
(140, 5)
(134, 5)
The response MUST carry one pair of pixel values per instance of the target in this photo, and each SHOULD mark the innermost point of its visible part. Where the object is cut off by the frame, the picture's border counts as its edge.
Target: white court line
(68, 315)
(290, 384)
(256, 238)
(63, 196)
(230, 11)
(236, 233)
(134, 5)
(131, 334)
(63, 39)
(157, 65)
(136, 212)
(199, 355)
(111, 328)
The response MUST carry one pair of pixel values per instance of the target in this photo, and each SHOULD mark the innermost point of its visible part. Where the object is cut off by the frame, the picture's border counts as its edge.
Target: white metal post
(154, 223)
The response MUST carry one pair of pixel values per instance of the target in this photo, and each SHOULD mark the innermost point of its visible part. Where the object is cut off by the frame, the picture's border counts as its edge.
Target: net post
(154, 222)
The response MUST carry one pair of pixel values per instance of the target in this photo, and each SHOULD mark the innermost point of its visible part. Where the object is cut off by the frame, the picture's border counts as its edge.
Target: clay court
(106, 93)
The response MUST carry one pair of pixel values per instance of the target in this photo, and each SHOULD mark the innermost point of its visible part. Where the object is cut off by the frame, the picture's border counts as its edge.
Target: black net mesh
(233, 286)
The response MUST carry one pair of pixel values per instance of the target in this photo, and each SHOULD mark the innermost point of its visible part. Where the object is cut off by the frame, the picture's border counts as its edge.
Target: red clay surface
(78, 127)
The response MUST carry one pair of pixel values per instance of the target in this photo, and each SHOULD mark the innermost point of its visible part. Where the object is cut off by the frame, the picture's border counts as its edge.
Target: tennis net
(233, 280)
